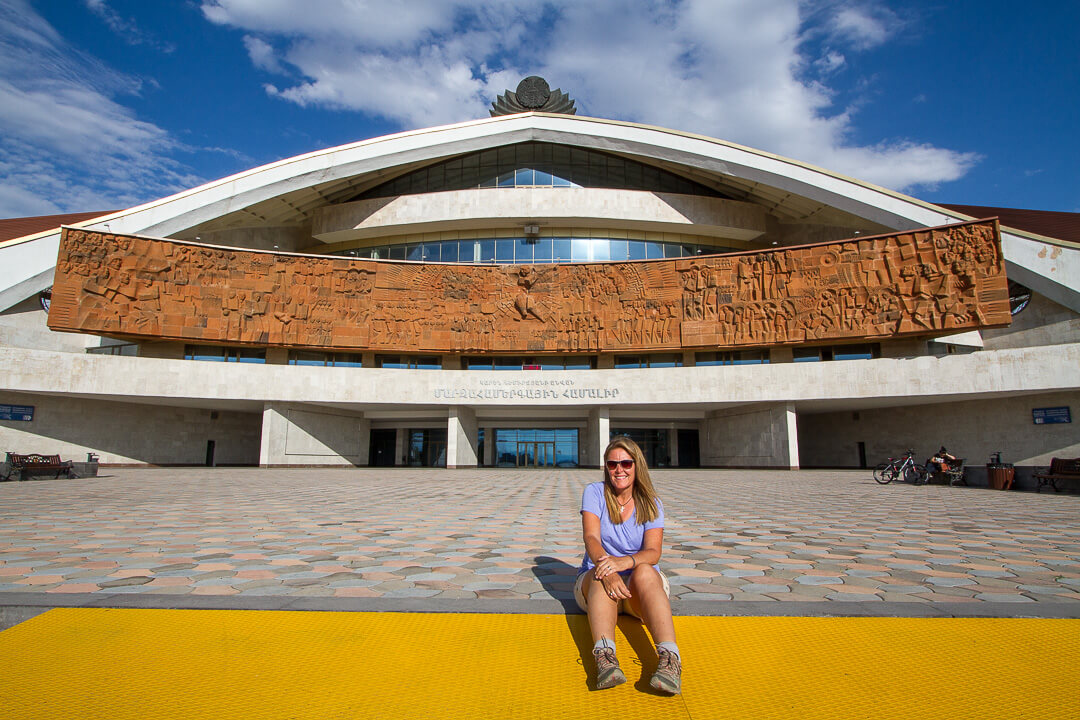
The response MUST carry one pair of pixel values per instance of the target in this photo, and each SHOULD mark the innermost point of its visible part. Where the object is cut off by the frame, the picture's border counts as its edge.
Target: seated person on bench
(941, 461)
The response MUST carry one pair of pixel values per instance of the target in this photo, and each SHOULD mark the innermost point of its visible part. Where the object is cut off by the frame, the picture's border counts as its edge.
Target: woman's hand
(615, 588)
(609, 565)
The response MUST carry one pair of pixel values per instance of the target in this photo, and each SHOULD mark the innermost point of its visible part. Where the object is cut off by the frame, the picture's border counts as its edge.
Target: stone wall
(1042, 322)
(123, 433)
(972, 429)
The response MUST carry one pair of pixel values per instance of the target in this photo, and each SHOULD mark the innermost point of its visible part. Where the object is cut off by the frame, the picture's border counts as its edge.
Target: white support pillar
(461, 438)
(597, 437)
(275, 426)
(791, 421)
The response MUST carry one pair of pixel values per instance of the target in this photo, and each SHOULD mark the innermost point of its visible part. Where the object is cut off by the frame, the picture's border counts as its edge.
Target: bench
(34, 464)
(1060, 469)
(955, 473)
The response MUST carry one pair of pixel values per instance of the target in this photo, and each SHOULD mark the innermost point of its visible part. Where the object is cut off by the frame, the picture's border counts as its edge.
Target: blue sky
(108, 103)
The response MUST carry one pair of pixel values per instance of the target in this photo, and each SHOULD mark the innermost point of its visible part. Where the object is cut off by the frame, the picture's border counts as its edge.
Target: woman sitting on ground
(623, 526)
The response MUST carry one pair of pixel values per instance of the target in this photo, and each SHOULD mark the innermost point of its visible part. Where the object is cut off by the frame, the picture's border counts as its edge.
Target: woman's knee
(646, 577)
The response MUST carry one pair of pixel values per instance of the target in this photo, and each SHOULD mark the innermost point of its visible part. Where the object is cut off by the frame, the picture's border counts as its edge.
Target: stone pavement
(415, 538)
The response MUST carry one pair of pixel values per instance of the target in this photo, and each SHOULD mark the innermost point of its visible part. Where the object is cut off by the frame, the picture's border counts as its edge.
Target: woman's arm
(649, 554)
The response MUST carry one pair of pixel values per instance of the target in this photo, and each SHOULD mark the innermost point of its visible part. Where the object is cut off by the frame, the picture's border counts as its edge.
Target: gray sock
(604, 643)
(670, 647)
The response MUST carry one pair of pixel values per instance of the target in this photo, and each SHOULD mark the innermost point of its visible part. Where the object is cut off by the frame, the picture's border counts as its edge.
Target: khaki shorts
(624, 605)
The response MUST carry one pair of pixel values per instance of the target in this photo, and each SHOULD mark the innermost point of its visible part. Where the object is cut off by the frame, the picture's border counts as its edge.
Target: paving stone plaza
(437, 535)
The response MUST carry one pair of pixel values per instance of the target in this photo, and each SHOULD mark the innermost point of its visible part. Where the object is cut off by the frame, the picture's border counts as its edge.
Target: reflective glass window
(542, 250)
(854, 352)
(542, 178)
(487, 250)
(600, 249)
(449, 251)
(523, 253)
(636, 249)
(432, 252)
(415, 251)
(580, 250)
(654, 250)
(396, 252)
(617, 250)
(504, 251)
(506, 179)
(523, 176)
(807, 354)
(561, 250)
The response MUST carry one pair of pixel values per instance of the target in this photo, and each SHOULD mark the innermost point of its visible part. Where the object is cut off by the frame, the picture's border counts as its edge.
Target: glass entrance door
(535, 453)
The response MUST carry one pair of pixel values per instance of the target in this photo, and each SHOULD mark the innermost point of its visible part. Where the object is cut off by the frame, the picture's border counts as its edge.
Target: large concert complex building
(512, 291)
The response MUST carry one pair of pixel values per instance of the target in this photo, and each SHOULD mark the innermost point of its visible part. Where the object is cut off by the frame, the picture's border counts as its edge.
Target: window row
(215, 353)
(516, 251)
(534, 164)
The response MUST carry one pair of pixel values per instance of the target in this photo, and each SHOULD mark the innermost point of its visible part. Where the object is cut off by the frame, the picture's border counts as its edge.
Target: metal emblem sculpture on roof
(533, 94)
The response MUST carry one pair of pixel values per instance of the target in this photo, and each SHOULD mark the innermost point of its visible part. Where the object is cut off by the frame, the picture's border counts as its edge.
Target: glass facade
(536, 448)
(409, 362)
(427, 448)
(324, 359)
(537, 164)
(653, 443)
(518, 251)
(738, 357)
(214, 353)
(659, 360)
(127, 349)
(867, 351)
(550, 362)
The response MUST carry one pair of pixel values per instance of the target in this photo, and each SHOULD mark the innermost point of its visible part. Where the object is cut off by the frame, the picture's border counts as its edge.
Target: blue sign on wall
(17, 412)
(1046, 416)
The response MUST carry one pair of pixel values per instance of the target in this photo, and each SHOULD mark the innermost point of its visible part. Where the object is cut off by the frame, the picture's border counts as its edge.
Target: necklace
(623, 504)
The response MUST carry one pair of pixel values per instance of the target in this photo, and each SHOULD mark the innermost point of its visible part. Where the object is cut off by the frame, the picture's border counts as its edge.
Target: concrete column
(275, 426)
(277, 356)
(673, 445)
(489, 447)
(451, 362)
(754, 435)
(597, 435)
(782, 354)
(605, 361)
(689, 358)
(367, 359)
(791, 421)
(461, 438)
(400, 445)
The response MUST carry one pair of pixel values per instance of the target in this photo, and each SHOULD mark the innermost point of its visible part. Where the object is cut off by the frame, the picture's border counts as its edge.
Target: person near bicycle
(941, 461)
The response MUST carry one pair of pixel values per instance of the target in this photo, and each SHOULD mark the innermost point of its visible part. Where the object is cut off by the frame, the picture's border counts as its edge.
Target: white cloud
(733, 70)
(126, 28)
(66, 144)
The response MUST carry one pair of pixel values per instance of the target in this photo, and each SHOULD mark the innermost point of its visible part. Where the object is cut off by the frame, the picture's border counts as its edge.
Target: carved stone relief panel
(923, 282)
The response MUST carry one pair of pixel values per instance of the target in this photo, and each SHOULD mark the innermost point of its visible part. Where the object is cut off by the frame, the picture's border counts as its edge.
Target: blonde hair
(645, 500)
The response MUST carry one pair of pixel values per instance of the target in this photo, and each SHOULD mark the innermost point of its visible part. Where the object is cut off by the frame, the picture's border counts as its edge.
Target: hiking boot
(608, 672)
(666, 679)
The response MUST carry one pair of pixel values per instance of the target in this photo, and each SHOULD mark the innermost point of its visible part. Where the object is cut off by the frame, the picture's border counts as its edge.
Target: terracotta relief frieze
(915, 283)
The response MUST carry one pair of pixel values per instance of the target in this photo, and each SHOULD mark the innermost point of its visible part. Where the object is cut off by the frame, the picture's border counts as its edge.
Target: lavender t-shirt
(617, 540)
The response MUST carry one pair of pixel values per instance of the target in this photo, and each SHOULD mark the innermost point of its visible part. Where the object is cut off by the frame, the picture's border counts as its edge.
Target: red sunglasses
(626, 464)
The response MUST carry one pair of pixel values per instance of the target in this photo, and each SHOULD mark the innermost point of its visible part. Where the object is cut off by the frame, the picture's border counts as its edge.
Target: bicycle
(904, 468)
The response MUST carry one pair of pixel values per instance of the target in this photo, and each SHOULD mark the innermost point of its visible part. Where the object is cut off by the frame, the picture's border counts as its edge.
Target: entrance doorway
(535, 453)
(381, 449)
(689, 449)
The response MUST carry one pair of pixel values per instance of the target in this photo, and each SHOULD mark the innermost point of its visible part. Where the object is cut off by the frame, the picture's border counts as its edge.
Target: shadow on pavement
(557, 578)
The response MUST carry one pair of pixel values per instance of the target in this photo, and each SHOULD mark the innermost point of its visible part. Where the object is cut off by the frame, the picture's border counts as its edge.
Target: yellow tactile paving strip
(99, 663)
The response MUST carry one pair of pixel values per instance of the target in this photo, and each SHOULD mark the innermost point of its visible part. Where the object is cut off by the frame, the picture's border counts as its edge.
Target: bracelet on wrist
(633, 560)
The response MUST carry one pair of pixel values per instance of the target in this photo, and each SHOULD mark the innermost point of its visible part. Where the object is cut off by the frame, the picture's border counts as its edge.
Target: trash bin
(1000, 475)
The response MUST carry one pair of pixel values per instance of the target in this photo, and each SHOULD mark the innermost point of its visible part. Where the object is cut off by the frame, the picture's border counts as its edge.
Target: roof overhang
(1047, 266)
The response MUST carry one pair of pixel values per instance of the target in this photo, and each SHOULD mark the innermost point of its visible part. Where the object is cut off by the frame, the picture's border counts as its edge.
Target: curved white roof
(284, 191)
